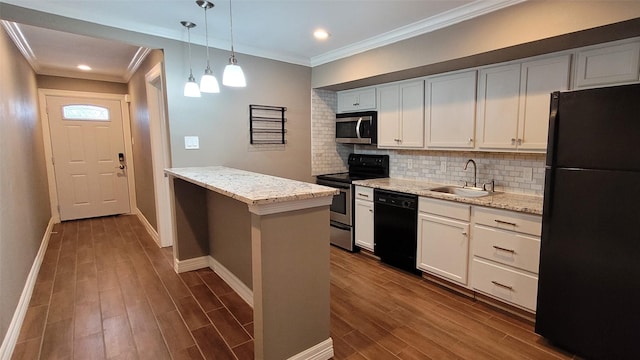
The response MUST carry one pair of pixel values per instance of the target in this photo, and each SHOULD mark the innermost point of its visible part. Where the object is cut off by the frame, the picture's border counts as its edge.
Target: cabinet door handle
(371, 210)
(470, 140)
(502, 285)
(504, 249)
(363, 195)
(513, 141)
(505, 222)
(464, 233)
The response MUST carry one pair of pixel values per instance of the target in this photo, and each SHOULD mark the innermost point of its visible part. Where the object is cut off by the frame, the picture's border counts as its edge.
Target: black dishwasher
(395, 228)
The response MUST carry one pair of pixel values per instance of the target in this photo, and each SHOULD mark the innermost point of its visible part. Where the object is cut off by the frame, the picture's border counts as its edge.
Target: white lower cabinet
(505, 255)
(443, 239)
(364, 218)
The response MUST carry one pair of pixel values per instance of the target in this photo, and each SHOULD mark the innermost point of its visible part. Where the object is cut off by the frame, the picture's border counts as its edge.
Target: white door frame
(160, 154)
(48, 149)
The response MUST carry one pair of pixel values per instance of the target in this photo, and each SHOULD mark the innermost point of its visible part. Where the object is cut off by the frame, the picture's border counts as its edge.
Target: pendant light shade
(208, 82)
(191, 88)
(233, 75)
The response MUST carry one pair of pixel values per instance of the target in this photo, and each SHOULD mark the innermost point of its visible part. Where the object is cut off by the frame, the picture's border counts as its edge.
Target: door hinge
(53, 160)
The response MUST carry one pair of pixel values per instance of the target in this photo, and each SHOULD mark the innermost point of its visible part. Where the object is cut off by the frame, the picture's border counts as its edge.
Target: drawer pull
(502, 285)
(363, 195)
(503, 249)
(505, 222)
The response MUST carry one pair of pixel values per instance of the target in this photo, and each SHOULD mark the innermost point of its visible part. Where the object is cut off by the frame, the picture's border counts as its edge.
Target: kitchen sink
(461, 191)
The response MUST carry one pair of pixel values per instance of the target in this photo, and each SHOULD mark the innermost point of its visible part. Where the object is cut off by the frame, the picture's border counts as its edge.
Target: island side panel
(290, 281)
(230, 235)
(191, 228)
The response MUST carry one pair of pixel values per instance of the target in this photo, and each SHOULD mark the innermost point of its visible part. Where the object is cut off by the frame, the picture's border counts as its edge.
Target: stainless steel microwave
(357, 128)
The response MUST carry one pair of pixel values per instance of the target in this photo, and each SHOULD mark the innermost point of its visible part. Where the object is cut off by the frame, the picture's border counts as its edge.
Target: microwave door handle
(358, 128)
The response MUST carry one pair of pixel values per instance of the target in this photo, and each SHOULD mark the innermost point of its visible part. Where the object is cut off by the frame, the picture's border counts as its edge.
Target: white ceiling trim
(448, 18)
(21, 43)
(136, 61)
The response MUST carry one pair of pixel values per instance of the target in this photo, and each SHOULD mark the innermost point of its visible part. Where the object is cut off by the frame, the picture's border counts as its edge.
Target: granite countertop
(249, 187)
(516, 202)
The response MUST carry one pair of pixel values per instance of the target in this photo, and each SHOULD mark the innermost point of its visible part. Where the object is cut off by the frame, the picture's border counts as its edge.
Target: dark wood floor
(106, 291)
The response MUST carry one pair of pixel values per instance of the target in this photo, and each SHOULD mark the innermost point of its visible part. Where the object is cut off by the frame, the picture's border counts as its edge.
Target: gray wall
(71, 84)
(24, 197)
(523, 30)
(139, 112)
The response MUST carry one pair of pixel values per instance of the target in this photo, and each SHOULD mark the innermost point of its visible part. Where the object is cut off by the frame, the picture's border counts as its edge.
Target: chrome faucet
(475, 171)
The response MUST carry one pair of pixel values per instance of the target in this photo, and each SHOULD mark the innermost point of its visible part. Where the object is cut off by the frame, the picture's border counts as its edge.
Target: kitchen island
(268, 238)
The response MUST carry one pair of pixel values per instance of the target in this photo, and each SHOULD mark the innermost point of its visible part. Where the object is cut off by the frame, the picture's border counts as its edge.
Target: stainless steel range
(361, 167)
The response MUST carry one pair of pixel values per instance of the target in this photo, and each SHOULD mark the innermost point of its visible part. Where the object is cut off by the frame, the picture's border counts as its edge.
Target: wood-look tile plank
(207, 300)
(214, 282)
(107, 279)
(175, 331)
(342, 349)
(190, 353)
(61, 307)
(33, 323)
(159, 299)
(27, 350)
(151, 345)
(191, 278)
(87, 319)
(244, 351)
(231, 330)
(529, 351)
(86, 271)
(58, 340)
(111, 303)
(367, 347)
(211, 344)
(141, 317)
(191, 312)
(238, 307)
(41, 293)
(87, 291)
(90, 347)
(118, 339)
(64, 282)
(249, 329)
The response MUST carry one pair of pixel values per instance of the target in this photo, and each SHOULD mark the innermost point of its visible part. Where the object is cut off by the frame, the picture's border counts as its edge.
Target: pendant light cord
(231, 24)
(189, 38)
(206, 33)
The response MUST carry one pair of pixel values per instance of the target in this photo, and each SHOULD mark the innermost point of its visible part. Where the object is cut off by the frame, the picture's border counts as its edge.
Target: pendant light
(191, 88)
(208, 82)
(233, 74)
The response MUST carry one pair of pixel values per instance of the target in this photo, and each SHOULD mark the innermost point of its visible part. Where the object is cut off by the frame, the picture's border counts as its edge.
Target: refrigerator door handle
(553, 127)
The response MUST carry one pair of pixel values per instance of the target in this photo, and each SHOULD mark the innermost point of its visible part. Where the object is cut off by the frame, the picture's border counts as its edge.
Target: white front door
(88, 156)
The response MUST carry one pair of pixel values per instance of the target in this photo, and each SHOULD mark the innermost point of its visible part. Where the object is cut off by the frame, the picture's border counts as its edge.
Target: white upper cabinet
(607, 65)
(539, 79)
(401, 115)
(513, 103)
(497, 107)
(357, 100)
(450, 110)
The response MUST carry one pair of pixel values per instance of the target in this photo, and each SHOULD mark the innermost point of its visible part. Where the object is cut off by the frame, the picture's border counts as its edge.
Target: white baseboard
(11, 338)
(152, 232)
(236, 284)
(181, 266)
(322, 351)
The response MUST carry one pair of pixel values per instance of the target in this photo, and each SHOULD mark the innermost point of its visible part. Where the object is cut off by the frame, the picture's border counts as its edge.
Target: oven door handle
(358, 128)
(333, 184)
(339, 225)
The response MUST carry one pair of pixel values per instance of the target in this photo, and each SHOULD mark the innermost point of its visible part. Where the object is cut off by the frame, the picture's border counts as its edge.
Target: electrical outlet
(410, 164)
(527, 174)
(443, 166)
(191, 142)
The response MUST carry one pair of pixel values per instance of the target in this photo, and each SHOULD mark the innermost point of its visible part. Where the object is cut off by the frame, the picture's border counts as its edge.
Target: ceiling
(275, 29)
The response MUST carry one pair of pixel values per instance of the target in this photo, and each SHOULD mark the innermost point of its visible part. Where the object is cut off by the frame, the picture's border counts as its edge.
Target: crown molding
(448, 18)
(136, 61)
(14, 32)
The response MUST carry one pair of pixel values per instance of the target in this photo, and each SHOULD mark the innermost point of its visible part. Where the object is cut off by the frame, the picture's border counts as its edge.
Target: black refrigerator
(589, 280)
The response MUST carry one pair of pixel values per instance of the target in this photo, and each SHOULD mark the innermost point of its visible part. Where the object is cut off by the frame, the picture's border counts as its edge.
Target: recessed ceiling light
(321, 34)
(84, 67)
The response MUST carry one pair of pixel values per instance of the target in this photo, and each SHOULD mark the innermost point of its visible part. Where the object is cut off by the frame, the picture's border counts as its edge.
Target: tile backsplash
(515, 173)
(512, 172)
(326, 156)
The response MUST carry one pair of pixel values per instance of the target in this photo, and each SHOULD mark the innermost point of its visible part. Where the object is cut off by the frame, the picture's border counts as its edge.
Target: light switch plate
(191, 142)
